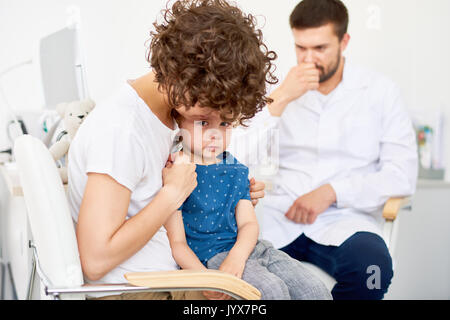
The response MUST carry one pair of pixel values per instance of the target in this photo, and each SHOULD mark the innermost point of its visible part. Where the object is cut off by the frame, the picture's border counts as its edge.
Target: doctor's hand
(307, 207)
(300, 79)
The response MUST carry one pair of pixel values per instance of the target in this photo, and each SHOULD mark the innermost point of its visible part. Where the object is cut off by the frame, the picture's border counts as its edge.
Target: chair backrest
(48, 213)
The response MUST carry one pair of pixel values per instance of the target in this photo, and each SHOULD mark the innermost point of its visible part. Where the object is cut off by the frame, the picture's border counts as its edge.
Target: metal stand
(13, 286)
(6, 268)
(2, 270)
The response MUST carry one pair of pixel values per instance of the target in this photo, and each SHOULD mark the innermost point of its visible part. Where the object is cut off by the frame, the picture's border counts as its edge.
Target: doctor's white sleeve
(397, 170)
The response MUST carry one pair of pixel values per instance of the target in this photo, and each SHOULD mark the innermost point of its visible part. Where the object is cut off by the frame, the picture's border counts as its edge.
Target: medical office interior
(96, 45)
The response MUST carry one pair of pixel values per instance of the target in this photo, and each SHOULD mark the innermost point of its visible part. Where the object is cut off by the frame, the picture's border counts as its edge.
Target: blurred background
(407, 40)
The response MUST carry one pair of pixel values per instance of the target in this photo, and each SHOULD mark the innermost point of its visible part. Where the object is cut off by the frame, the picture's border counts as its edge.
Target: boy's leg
(302, 284)
(269, 284)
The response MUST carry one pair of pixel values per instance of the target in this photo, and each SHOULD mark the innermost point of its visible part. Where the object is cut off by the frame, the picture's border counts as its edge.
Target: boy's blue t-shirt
(209, 212)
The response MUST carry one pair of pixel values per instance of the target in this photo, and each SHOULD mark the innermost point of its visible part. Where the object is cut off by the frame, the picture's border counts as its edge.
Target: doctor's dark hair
(317, 13)
(208, 52)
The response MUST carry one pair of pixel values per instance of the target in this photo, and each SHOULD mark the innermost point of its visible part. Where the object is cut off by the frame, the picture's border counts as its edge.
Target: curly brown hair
(209, 53)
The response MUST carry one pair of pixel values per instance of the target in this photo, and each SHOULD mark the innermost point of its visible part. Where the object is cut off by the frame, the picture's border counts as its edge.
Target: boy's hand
(233, 264)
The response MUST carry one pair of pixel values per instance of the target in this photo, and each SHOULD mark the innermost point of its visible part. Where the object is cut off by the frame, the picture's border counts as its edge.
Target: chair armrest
(393, 206)
(168, 281)
(205, 279)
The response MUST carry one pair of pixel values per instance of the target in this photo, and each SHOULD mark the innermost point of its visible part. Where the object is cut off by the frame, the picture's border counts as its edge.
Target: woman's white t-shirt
(123, 138)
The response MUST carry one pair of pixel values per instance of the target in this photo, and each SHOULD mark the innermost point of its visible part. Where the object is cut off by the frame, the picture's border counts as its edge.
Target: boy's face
(205, 134)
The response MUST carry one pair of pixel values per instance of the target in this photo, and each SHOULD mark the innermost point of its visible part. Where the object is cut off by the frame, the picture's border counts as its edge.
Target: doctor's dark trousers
(362, 265)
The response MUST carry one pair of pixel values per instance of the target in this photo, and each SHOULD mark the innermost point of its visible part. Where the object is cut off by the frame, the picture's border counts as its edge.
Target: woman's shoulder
(119, 112)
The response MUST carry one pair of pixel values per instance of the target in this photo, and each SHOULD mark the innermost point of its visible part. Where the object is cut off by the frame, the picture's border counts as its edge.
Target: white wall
(408, 40)
(422, 252)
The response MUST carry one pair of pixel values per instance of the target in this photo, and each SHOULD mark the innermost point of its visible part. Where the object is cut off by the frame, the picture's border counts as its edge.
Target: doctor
(346, 146)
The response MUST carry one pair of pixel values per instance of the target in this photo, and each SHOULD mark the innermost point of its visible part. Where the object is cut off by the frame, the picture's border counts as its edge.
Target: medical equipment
(15, 127)
(63, 74)
(12, 132)
(63, 80)
(62, 69)
(18, 126)
(177, 145)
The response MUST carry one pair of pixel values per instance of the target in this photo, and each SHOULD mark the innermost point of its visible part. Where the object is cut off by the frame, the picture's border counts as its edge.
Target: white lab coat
(359, 139)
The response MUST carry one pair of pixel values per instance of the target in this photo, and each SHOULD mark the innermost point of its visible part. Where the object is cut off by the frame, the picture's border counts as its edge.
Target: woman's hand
(179, 177)
(256, 190)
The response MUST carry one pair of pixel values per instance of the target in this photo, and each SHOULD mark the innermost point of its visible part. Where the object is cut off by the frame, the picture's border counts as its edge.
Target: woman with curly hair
(206, 56)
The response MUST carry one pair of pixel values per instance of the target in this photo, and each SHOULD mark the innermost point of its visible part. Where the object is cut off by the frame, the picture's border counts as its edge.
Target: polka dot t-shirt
(209, 212)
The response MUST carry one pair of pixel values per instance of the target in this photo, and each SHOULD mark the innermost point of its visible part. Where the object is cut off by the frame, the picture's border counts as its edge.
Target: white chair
(55, 250)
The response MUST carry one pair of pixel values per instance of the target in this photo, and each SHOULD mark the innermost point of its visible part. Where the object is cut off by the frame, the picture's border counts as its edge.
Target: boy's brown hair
(208, 52)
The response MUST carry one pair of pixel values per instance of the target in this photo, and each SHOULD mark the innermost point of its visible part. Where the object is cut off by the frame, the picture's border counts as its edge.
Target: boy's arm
(183, 255)
(247, 236)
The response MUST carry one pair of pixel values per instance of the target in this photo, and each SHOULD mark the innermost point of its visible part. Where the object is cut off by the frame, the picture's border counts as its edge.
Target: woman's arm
(105, 237)
(247, 236)
(182, 253)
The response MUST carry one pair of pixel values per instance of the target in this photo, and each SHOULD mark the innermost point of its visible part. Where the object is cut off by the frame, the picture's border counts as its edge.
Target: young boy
(216, 226)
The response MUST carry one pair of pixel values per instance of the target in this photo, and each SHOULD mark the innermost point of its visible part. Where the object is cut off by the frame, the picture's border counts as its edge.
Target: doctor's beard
(331, 70)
